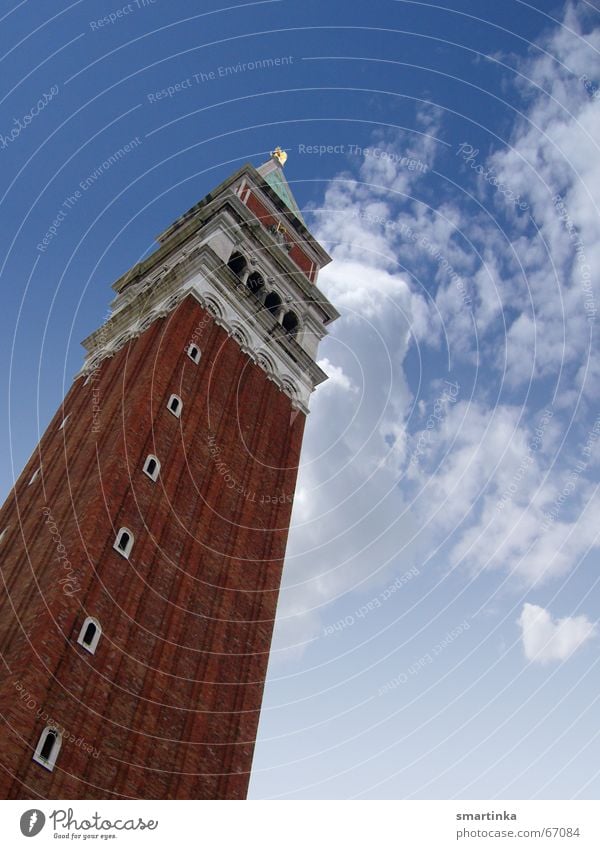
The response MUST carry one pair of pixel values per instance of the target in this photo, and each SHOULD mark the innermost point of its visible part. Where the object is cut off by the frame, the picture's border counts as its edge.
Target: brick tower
(143, 544)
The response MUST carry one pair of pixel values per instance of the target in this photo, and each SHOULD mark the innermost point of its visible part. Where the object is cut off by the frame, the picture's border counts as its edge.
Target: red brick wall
(265, 217)
(169, 703)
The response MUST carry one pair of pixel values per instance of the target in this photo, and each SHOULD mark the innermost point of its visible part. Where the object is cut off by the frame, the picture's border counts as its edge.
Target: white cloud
(337, 378)
(554, 150)
(520, 320)
(546, 639)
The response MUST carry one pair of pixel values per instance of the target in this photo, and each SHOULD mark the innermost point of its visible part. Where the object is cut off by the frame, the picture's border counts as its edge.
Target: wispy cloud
(493, 298)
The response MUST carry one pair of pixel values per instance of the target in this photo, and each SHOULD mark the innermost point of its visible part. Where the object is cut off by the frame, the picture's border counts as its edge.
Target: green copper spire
(272, 172)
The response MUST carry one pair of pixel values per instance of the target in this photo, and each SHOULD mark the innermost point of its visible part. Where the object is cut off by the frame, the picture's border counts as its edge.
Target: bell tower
(142, 546)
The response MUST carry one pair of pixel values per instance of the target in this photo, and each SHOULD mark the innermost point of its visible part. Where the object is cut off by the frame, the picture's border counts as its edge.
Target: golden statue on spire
(280, 155)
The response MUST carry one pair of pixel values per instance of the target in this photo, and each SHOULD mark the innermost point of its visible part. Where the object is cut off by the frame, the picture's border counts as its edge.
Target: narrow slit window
(124, 542)
(34, 476)
(175, 405)
(48, 748)
(152, 467)
(64, 421)
(193, 353)
(90, 634)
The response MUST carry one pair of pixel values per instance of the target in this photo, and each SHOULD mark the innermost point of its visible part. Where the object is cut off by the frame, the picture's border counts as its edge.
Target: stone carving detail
(227, 315)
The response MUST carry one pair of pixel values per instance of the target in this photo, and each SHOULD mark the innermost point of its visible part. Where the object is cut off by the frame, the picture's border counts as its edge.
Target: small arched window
(152, 467)
(255, 282)
(273, 303)
(289, 388)
(124, 542)
(175, 405)
(48, 748)
(193, 353)
(237, 263)
(290, 323)
(90, 634)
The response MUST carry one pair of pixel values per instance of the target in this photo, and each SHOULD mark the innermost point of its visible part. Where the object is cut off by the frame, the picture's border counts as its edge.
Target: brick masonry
(168, 706)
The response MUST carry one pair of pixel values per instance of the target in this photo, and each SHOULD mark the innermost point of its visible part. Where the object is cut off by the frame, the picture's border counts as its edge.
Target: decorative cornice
(171, 251)
(232, 306)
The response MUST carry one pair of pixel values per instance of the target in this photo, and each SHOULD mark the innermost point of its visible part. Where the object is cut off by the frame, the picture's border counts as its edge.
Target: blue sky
(437, 632)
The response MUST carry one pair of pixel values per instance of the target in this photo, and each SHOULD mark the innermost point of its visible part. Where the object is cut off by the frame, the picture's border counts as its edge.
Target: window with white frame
(90, 634)
(48, 748)
(152, 467)
(124, 542)
(193, 353)
(175, 405)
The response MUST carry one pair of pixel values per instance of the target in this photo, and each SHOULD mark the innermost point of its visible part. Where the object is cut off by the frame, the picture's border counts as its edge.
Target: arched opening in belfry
(273, 303)
(255, 282)
(237, 263)
(290, 323)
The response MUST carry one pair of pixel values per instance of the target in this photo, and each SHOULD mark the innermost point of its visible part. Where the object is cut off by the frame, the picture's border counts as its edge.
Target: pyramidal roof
(272, 173)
